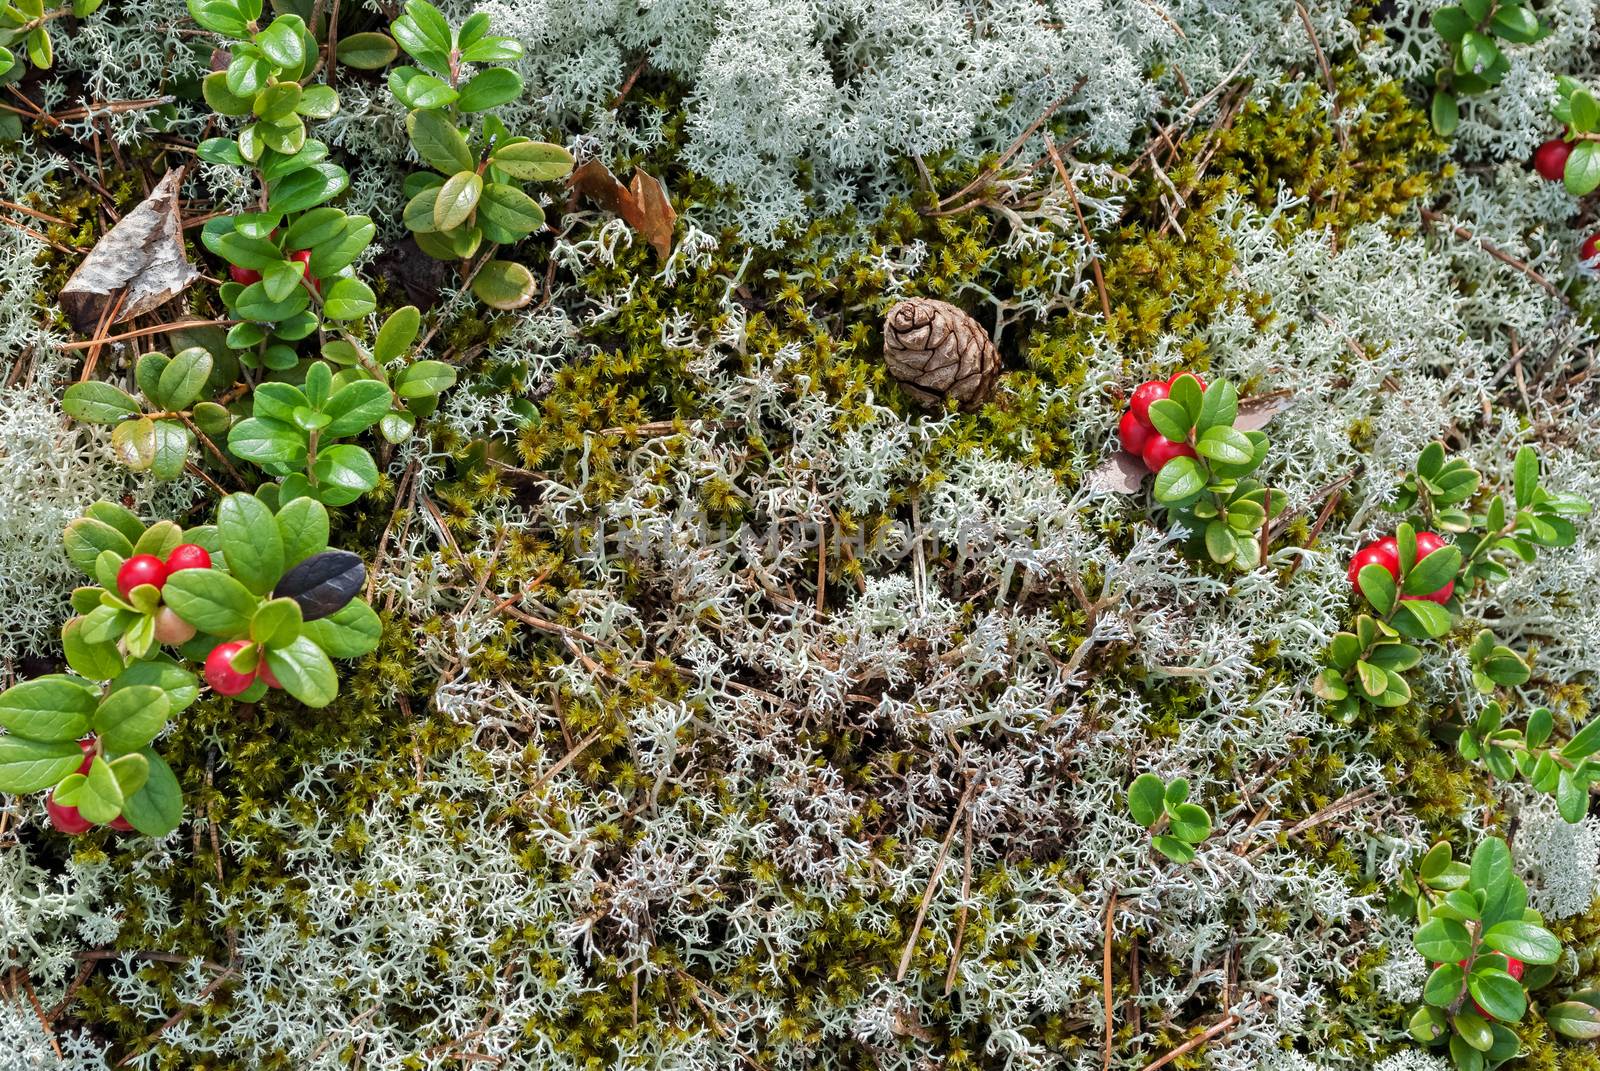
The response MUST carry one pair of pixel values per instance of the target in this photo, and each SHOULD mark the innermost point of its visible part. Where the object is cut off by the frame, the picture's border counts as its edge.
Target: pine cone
(937, 351)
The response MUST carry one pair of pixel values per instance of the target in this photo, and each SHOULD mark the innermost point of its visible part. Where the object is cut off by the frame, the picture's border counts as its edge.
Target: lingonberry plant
(25, 34)
(416, 386)
(1184, 432)
(289, 259)
(155, 431)
(472, 201)
(267, 579)
(293, 434)
(257, 598)
(1412, 580)
(1472, 30)
(1176, 825)
(1563, 770)
(1487, 947)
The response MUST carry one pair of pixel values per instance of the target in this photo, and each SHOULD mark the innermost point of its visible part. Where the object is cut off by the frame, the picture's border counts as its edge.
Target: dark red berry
(303, 256)
(1591, 247)
(264, 672)
(1550, 159)
(140, 569)
(1383, 553)
(221, 675)
(1427, 543)
(120, 824)
(66, 819)
(243, 276)
(1160, 450)
(1145, 393)
(1134, 433)
(188, 556)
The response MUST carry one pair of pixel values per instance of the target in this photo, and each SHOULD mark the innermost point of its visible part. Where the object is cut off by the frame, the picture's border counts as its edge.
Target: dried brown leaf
(643, 204)
(1257, 412)
(649, 211)
(141, 258)
(1124, 474)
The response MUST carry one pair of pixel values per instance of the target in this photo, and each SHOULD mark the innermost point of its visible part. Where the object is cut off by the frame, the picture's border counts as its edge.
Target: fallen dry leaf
(1124, 473)
(141, 260)
(643, 203)
(1257, 412)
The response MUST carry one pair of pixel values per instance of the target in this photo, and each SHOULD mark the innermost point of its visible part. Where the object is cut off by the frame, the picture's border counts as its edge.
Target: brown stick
(1495, 251)
(107, 318)
(38, 1009)
(1083, 225)
(933, 881)
(961, 912)
(144, 331)
(1228, 1022)
(1105, 981)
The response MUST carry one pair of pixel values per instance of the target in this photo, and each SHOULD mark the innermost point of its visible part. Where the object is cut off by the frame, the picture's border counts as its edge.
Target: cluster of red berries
(1550, 160)
(67, 819)
(1386, 553)
(1139, 436)
(172, 629)
(246, 276)
(149, 569)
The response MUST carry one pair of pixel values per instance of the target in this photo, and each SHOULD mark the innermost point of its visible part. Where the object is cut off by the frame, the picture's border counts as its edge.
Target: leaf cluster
(1472, 920)
(117, 774)
(1365, 665)
(473, 195)
(154, 430)
(1563, 770)
(1176, 825)
(25, 39)
(293, 433)
(1472, 31)
(1579, 114)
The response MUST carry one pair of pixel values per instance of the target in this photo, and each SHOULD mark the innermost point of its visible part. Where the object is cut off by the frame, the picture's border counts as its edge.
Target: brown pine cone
(937, 351)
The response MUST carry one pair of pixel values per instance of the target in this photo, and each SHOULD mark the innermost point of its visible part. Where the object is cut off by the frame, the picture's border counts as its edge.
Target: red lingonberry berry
(66, 819)
(243, 276)
(303, 256)
(1134, 433)
(1427, 543)
(1550, 159)
(86, 745)
(264, 672)
(1180, 372)
(188, 556)
(1591, 247)
(221, 675)
(1145, 393)
(120, 824)
(1160, 450)
(1383, 553)
(140, 569)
